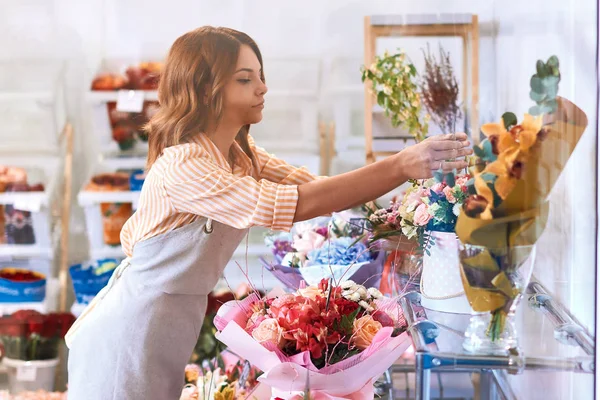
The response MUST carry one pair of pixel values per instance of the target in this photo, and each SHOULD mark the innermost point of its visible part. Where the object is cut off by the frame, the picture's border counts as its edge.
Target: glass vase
(494, 281)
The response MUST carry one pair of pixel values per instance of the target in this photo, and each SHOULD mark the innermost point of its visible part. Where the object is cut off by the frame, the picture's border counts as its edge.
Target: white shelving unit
(32, 106)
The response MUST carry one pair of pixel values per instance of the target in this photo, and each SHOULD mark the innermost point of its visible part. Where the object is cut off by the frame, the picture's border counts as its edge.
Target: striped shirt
(194, 180)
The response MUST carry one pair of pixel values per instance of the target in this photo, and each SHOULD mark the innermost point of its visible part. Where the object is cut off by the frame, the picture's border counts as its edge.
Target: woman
(207, 184)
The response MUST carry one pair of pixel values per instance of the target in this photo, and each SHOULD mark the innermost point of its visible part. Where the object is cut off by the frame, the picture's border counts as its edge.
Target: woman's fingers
(459, 136)
(454, 153)
(449, 144)
(449, 166)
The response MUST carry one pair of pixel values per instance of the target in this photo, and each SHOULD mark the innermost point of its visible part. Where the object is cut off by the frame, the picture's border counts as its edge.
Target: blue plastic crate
(89, 278)
(22, 292)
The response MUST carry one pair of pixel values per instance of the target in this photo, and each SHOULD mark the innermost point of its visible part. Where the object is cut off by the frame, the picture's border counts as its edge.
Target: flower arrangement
(322, 248)
(426, 206)
(394, 83)
(507, 207)
(234, 379)
(29, 335)
(327, 334)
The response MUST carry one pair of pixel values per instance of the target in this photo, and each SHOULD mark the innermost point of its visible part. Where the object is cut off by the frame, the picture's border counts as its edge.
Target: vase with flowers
(30, 342)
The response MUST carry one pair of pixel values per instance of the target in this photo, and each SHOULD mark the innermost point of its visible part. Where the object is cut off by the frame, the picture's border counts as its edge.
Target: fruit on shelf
(144, 76)
(109, 82)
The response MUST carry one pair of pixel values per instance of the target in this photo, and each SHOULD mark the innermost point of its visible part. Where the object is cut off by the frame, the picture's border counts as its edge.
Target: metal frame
(492, 370)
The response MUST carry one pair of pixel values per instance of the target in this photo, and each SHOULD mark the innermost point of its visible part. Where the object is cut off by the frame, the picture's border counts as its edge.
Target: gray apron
(134, 340)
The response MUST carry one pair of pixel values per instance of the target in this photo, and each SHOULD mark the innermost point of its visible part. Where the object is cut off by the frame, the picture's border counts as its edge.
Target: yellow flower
(494, 129)
(531, 126)
(227, 393)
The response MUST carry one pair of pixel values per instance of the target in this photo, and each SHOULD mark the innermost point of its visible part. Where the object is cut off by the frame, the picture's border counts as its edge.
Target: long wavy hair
(190, 90)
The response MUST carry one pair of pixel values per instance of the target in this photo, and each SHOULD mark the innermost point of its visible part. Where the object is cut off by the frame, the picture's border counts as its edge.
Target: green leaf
(553, 61)
(380, 98)
(538, 97)
(509, 119)
(347, 322)
(536, 84)
(550, 81)
(479, 151)
(535, 110)
(451, 179)
(540, 67)
(488, 151)
(551, 93)
(552, 105)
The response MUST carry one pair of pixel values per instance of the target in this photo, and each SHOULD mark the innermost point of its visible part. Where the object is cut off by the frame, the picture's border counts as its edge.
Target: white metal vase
(441, 284)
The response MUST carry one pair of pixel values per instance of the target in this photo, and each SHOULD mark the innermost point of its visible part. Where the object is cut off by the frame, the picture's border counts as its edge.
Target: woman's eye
(244, 81)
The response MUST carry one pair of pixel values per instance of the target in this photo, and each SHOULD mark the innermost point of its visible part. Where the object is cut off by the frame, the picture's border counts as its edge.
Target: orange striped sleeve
(277, 170)
(194, 184)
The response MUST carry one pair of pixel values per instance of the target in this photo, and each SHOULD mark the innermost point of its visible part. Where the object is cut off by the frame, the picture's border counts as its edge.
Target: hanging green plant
(395, 86)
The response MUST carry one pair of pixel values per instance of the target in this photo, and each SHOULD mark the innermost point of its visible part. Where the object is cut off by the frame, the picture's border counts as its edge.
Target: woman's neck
(223, 137)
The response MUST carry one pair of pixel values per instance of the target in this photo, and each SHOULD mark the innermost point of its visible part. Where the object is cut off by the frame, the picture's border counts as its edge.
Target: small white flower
(355, 297)
(347, 284)
(375, 293)
(387, 90)
(362, 292)
(456, 209)
(366, 306)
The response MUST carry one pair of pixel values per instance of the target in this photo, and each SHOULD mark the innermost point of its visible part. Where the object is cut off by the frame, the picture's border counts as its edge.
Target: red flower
(383, 318)
(58, 324)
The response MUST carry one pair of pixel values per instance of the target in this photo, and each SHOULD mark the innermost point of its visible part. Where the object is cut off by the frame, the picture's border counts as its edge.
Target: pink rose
(311, 292)
(422, 215)
(269, 331)
(365, 329)
(438, 187)
(462, 180)
(309, 241)
(449, 195)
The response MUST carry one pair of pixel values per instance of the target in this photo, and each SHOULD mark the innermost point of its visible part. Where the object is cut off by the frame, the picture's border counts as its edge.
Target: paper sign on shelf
(26, 203)
(26, 373)
(130, 101)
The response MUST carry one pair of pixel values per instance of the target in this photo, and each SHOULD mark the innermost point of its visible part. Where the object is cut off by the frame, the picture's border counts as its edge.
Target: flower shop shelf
(35, 210)
(551, 340)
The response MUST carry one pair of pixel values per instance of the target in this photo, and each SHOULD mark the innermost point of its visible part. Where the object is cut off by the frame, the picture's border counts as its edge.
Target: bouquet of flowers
(29, 335)
(233, 379)
(426, 206)
(323, 248)
(506, 212)
(337, 338)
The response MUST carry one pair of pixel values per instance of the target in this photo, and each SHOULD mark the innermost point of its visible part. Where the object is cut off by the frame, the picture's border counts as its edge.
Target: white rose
(347, 284)
(269, 331)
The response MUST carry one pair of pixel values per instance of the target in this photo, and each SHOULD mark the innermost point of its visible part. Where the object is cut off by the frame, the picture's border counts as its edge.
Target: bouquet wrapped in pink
(333, 340)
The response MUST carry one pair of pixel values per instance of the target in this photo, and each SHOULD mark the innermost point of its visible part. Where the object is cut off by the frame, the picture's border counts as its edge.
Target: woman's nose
(262, 89)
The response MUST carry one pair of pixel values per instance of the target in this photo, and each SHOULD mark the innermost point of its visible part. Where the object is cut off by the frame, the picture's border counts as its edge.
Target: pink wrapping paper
(287, 376)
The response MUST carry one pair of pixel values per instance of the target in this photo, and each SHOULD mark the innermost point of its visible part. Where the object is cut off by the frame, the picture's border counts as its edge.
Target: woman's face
(243, 95)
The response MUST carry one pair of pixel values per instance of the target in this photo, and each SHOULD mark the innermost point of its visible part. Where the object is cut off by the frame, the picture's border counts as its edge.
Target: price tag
(26, 373)
(130, 101)
(27, 203)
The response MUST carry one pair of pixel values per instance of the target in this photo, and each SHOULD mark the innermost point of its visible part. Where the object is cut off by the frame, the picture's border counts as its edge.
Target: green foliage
(544, 86)
(394, 83)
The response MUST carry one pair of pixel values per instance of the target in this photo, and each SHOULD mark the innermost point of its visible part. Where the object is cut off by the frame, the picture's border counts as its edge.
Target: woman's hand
(423, 159)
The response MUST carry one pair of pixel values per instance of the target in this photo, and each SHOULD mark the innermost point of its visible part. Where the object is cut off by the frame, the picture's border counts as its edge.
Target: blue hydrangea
(339, 252)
